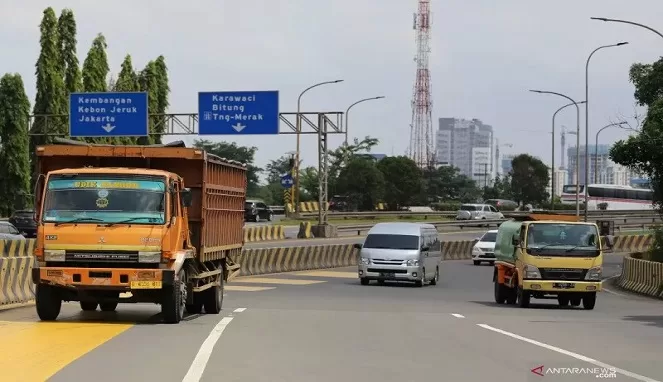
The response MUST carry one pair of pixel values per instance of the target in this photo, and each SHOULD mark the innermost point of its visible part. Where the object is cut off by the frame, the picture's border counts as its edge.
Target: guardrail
(278, 210)
(451, 214)
(621, 222)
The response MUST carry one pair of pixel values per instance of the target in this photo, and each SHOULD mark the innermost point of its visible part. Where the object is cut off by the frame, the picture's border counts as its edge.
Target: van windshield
(383, 241)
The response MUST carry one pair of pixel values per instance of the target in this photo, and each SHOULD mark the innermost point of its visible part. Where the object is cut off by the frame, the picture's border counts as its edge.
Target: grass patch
(404, 219)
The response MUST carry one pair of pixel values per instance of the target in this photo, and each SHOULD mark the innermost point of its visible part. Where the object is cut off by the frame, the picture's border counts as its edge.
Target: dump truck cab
(548, 257)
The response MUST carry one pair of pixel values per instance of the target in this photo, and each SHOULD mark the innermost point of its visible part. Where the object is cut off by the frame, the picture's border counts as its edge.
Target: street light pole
(347, 112)
(596, 148)
(298, 124)
(628, 22)
(552, 186)
(577, 144)
(587, 119)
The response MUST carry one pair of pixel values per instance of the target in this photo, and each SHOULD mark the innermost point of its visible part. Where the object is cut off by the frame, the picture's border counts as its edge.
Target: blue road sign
(286, 181)
(122, 114)
(238, 113)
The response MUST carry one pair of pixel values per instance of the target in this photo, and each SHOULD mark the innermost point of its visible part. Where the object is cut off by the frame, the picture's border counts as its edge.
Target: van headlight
(364, 261)
(412, 263)
(594, 274)
(532, 272)
(476, 251)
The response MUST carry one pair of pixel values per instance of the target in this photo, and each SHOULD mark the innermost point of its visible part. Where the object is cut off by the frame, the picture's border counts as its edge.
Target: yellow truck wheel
(589, 300)
(48, 302)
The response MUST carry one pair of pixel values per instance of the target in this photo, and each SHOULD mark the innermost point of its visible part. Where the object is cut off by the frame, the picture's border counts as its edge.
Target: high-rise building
(506, 163)
(468, 145)
(603, 171)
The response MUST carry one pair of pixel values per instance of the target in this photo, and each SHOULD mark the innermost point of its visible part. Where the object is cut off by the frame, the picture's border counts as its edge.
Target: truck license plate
(388, 275)
(563, 285)
(146, 285)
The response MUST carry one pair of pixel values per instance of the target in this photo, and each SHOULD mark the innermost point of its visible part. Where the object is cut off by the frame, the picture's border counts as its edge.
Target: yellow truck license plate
(146, 285)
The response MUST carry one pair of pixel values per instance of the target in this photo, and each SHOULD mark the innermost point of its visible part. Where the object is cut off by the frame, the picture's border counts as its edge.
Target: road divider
(263, 233)
(642, 276)
(17, 261)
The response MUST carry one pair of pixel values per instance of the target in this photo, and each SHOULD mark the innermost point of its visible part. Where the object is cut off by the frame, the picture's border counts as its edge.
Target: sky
(485, 55)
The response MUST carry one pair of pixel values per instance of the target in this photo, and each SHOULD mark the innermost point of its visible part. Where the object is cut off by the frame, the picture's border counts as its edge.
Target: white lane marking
(457, 315)
(571, 354)
(610, 290)
(239, 310)
(200, 362)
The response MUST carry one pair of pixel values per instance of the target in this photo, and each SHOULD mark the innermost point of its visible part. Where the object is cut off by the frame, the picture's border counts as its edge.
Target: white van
(400, 252)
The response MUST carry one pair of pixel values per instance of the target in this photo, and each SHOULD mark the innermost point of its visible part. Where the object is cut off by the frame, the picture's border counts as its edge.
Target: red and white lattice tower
(422, 147)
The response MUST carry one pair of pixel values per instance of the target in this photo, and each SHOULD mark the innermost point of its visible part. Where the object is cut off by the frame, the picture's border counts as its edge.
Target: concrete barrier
(632, 243)
(258, 261)
(642, 276)
(16, 263)
(263, 233)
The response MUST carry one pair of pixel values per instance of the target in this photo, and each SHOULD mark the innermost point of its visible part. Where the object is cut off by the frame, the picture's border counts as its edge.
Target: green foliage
(446, 206)
(149, 82)
(51, 95)
(529, 179)
(67, 50)
(447, 183)
(95, 66)
(403, 181)
(655, 251)
(238, 153)
(15, 169)
(361, 180)
(277, 167)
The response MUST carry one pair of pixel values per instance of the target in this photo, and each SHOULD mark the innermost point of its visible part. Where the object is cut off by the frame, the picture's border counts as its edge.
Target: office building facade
(467, 145)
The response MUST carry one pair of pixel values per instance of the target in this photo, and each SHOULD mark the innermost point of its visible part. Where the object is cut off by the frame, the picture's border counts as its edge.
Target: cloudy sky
(486, 54)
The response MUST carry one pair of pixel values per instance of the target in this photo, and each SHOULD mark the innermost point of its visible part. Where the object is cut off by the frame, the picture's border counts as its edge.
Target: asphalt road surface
(325, 326)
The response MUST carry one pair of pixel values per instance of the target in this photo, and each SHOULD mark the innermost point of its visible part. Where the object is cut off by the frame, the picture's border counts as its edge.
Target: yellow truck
(131, 224)
(548, 257)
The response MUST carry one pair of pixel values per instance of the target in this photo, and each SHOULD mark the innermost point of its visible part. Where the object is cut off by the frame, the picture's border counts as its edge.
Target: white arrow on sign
(108, 127)
(238, 127)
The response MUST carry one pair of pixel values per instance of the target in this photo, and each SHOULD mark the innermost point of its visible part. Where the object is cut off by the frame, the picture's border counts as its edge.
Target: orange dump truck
(157, 224)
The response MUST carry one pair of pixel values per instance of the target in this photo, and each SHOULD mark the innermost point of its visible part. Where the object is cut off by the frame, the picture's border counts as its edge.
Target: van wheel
(437, 276)
(476, 262)
(88, 306)
(589, 301)
(364, 281)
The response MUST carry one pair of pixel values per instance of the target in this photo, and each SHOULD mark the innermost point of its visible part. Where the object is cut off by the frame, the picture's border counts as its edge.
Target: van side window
(437, 245)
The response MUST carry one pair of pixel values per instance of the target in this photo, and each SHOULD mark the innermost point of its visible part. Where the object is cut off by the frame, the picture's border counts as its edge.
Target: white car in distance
(484, 249)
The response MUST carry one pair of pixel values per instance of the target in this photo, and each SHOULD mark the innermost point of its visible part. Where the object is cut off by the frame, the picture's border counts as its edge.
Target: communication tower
(422, 147)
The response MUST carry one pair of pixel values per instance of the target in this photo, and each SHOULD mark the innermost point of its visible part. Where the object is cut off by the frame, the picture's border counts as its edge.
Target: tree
(67, 51)
(148, 82)
(340, 157)
(95, 72)
(529, 179)
(241, 154)
(161, 94)
(402, 178)
(15, 159)
(276, 168)
(127, 81)
(51, 96)
(362, 182)
(447, 183)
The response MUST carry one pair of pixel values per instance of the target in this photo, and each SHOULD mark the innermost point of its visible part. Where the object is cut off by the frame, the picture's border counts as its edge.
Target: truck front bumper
(104, 278)
(561, 286)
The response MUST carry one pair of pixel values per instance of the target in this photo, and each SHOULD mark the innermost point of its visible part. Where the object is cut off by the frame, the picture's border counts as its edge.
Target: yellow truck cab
(548, 257)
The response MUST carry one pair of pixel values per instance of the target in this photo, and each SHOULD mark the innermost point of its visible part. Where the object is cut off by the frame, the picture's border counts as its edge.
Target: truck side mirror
(186, 196)
(514, 240)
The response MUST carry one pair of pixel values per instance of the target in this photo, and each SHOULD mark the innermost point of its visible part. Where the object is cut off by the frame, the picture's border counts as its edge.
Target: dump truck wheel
(88, 306)
(563, 301)
(214, 299)
(589, 301)
(48, 302)
(108, 306)
(500, 296)
(174, 297)
(195, 308)
(576, 301)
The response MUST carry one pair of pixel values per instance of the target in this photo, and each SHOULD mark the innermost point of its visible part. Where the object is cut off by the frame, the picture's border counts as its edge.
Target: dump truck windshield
(104, 199)
(562, 239)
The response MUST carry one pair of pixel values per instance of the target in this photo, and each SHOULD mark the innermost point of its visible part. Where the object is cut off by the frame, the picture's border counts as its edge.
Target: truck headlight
(412, 263)
(149, 256)
(54, 255)
(594, 274)
(365, 261)
(532, 272)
